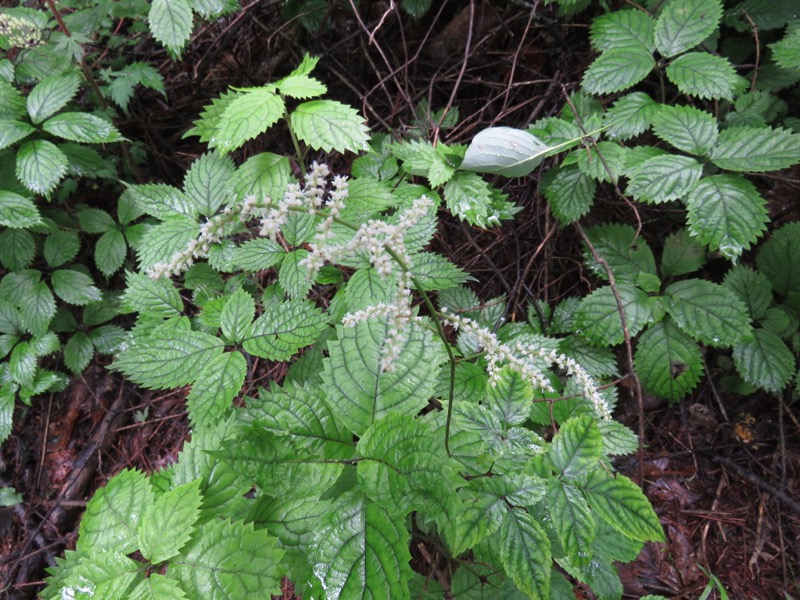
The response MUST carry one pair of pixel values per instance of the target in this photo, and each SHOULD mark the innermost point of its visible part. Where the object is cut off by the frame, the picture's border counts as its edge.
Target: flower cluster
(19, 32)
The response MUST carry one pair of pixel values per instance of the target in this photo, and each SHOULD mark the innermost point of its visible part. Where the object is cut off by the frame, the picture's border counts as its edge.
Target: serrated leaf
(777, 259)
(61, 247)
(603, 161)
(599, 319)
(39, 309)
(510, 397)
(682, 254)
(358, 388)
(108, 339)
(621, 504)
(226, 560)
(101, 574)
(683, 24)
(756, 149)
(576, 447)
(40, 166)
(95, 220)
(569, 192)
(51, 94)
(17, 211)
(362, 551)
(630, 115)
(78, 352)
(301, 87)
(434, 272)
(82, 127)
(571, 519)
(258, 255)
(12, 102)
(284, 328)
(153, 297)
(12, 131)
(113, 515)
(168, 358)
(765, 361)
(687, 128)
(664, 178)
(727, 213)
(157, 587)
(74, 287)
(237, 315)
(17, 247)
(708, 312)
(206, 126)
(504, 151)
(168, 522)
(469, 198)
(617, 69)
(751, 287)
(170, 22)
(247, 116)
(623, 29)
(668, 361)
(618, 440)
(22, 364)
(625, 253)
(264, 175)
(293, 276)
(329, 125)
(161, 201)
(110, 252)
(786, 52)
(161, 242)
(209, 183)
(705, 75)
(525, 553)
(216, 386)
(423, 158)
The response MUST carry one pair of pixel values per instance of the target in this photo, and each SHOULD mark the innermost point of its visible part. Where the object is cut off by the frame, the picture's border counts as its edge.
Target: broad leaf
(78, 352)
(765, 361)
(61, 247)
(708, 312)
(569, 192)
(704, 75)
(246, 117)
(687, 128)
(104, 574)
(751, 287)
(504, 151)
(171, 23)
(756, 149)
(664, 178)
(727, 213)
(17, 246)
(161, 200)
(683, 24)
(74, 287)
(209, 182)
(168, 522)
(264, 175)
(151, 297)
(157, 587)
(777, 259)
(217, 384)
(17, 212)
(51, 94)
(621, 504)
(82, 127)
(40, 166)
(618, 69)
(786, 52)
(12, 131)
(525, 553)
(469, 197)
(362, 551)
(161, 242)
(576, 447)
(113, 515)
(630, 116)
(598, 315)
(110, 252)
(602, 161)
(623, 29)
(571, 519)
(284, 328)
(258, 255)
(668, 361)
(329, 125)
(625, 254)
(682, 254)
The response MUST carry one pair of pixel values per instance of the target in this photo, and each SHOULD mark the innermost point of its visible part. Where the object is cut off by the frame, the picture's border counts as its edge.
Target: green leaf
(504, 151)
(110, 252)
(113, 515)
(170, 22)
(777, 259)
(284, 328)
(95, 220)
(161, 201)
(668, 361)
(258, 255)
(569, 192)
(168, 522)
(756, 149)
(12, 102)
(469, 198)
(434, 272)
(74, 287)
(751, 287)
(108, 339)
(599, 319)
(630, 115)
(246, 117)
(765, 361)
(60, 247)
(51, 94)
(215, 388)
(361, 551)
(40, 166)
(227, 560)
(237, 315)
(293, 276)
(169, 358)
(17, 246)
(152, 297)
(510, 398)
(727, 213)
(264, 175)
(623, 250)
(209, 182)
(101, 574)
(603, 161)
(708, 312)
(687, 128)
(82, 127)
(571, 519)
(12, 131)
(618, 69)
(39, 309)
(525, 553)
(423, 158)
(664, 178)
(361, 391)
(22, 364)
(161, 242)
(683, 24)
(786, 52)
(329, 125)
(704, 75)
(18, 212)
(621, 504)
(78, 352)
(301, 87)
(206, 126)
(157, 587)
(618, 440)
(682, 254)
(623, 29)
(576, 447)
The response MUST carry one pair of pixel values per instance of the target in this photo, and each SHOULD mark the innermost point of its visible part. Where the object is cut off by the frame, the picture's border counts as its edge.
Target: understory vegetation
(413, 416)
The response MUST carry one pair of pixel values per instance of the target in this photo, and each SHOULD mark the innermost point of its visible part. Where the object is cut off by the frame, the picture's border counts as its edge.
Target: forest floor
(722, 472)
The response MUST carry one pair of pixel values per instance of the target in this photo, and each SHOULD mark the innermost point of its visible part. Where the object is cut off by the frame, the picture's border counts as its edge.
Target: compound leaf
(569, 192)
(237, 315)
(623, 29)
(625, 254)
(12, 131)
(264, 175)
(751, 287)
(630, 115)
(101, 574)
(78, 352)
(682, 254)
(17, 212)
(664, 178)
(110, 252)
(51, 94)
(82, 127)
(469, 197)
(74, 287)
(668, 361)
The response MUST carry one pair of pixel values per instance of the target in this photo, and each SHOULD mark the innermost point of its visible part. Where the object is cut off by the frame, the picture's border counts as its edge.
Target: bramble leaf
(664, 178)
(777, 259)
(569, 192)
(12, 131)
(668, 361)
(685, 127)
(682, 254)
(82, 127)
(74, 287)
(630, 115)
(40, 166)
(705, 75)
(51, 94)
(168, 522)
(756, 149)
(329, 125)
(17, 211)
(765, 361)
(708, 312)
(599, 319)
(171, 23)
(623, 29)
(618, 69)
(621, 504)
(683, 24)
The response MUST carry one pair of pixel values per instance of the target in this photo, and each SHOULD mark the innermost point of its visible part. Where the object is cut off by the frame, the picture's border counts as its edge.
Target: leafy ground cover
(719, 469)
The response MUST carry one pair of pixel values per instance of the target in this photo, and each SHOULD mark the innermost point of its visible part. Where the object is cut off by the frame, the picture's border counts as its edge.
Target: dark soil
(723, 473)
